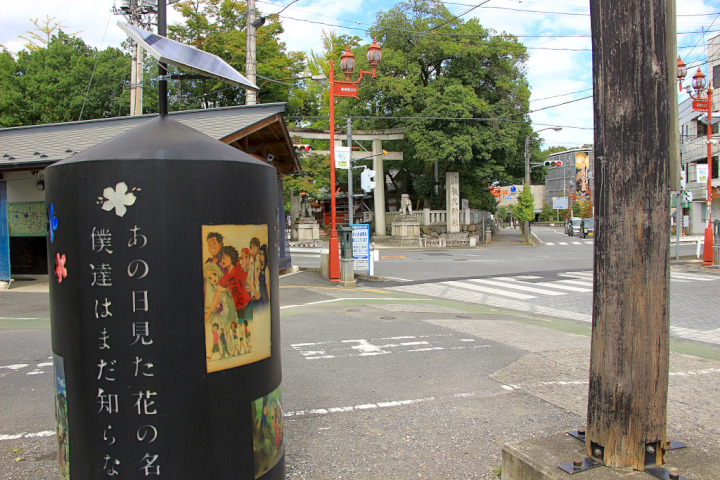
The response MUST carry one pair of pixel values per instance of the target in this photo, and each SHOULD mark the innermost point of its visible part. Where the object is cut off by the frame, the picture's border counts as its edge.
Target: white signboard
(342, 157)
(361, 247)
(560, 203)
(702, 173)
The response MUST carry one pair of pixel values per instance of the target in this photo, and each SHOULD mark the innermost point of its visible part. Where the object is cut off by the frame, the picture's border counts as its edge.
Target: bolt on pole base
(580, 465)
(586, 463)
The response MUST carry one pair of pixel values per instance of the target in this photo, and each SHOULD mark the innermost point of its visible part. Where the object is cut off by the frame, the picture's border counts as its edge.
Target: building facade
(694, 151)
(573, 178)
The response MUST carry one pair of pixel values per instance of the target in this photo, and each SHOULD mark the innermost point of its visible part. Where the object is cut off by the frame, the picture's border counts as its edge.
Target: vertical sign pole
(629, 359)
(708, 247)
(334, 245)
(351, 207)
(162, 67)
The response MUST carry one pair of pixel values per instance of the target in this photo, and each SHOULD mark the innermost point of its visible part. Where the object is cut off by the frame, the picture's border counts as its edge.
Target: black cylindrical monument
(163, 296)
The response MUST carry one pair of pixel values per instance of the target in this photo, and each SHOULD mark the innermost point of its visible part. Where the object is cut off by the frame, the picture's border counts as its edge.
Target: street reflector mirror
(186, 57)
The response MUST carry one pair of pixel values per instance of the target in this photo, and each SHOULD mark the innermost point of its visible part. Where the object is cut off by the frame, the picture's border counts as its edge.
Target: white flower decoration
(118, 199)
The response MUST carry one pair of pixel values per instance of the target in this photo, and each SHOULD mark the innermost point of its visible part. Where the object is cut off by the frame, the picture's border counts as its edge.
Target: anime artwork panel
(236, 295)
(268, 443)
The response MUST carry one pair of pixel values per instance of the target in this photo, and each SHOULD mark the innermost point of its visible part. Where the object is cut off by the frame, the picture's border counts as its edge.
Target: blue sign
(513, 189)
(361, 247)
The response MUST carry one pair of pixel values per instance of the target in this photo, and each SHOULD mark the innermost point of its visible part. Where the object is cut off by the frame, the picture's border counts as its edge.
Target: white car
(572, 227)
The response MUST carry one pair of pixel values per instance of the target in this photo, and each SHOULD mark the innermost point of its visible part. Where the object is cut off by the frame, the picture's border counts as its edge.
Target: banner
(342, 157)
(702, 173)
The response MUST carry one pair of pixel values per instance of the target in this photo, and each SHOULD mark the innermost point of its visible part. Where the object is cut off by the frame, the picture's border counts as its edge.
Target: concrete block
(539, 458)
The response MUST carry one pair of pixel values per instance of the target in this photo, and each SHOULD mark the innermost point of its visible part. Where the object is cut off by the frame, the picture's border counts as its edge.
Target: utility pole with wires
(139, 13)
(250, 56)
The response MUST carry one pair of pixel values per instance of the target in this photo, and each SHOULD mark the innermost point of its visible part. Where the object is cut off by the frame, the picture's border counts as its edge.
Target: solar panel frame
(187, 57)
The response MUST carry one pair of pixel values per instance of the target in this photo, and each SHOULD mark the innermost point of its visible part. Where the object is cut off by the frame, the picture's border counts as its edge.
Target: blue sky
(556, 32)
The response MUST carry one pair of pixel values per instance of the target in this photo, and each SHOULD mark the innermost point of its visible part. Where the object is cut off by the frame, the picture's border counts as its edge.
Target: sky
(556, 33)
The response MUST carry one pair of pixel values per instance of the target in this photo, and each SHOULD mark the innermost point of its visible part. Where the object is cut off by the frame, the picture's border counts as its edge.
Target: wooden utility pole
(250, 54)
(627, 406)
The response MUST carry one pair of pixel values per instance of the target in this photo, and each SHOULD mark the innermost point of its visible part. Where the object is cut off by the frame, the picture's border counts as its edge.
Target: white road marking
(494, 291)
(15, 436)
(352, 299)
(16, 366)
(510, 283)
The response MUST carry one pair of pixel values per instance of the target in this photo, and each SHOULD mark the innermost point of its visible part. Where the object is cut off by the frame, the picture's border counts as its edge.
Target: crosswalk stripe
(562, 243)
(587, 274)
(494, 291)
(559, 286)
(577, 282)
(549, 243)
(690, 276)
(510, 283)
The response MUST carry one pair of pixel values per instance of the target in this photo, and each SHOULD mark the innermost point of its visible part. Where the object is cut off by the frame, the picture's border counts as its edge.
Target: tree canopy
(458, 88)
(216, 26)
(66, 80)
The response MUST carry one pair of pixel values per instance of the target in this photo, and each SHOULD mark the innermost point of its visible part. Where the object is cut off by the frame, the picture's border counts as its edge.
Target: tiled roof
(41, 145)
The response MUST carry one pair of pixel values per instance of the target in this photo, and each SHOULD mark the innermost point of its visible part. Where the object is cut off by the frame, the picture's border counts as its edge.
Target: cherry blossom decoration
(60, 269)
(118, 198)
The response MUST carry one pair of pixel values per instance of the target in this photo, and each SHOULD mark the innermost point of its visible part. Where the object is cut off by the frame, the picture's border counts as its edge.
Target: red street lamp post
(343, 89)
(702, 105)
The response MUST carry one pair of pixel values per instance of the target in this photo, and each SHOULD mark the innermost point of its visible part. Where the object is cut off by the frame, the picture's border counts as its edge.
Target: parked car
(572, 227)
(587, 227)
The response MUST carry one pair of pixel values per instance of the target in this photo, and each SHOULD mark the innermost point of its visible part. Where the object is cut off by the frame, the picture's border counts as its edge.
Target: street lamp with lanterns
(343, 89)
(702, 104)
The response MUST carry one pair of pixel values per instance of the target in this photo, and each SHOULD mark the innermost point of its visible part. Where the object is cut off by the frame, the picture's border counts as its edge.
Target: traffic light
(302, 148)
(366, 178)
(553, 163)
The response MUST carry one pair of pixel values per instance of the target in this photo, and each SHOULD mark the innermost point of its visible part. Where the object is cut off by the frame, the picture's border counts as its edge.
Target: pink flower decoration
(60, 269)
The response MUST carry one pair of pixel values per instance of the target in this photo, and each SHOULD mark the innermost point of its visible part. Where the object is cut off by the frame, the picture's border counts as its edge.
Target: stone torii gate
(377, 137)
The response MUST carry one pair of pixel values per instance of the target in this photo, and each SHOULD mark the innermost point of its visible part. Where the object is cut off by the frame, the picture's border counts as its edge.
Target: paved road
(381, 383)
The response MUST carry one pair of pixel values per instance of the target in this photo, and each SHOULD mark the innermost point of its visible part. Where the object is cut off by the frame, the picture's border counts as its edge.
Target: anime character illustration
(61, 418)
(236, 286)
(267, 420)
(263, 296)
(214, 244)
(582, 167)
(223, 312)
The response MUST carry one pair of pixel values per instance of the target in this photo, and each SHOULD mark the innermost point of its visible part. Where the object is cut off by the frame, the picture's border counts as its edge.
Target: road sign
(361, 247)
(701, 105)
(560, 203)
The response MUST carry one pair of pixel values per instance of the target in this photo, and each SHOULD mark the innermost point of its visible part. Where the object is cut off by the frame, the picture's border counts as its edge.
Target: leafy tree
(585, 208)
(212, 26)
(547, 213)
(314, 179)
(453, 84)
(42, 34)
(524, 210)
(502, 213)
(66, 81)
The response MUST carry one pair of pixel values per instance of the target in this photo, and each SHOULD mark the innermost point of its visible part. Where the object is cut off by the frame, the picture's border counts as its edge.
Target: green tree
(453, 84)
(313, 179)
(524, 210)
(68, 80)
(212, 26)
(547, 214)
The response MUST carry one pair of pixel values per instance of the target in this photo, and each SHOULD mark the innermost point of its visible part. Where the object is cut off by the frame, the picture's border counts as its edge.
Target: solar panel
(184, 56)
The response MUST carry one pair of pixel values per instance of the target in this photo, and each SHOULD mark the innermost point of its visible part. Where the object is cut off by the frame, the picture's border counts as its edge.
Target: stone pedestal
(347, 274)
(306, 230)
(405, 230)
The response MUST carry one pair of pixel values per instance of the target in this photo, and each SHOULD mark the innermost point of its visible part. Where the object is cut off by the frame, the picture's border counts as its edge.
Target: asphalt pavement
(381, 384)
